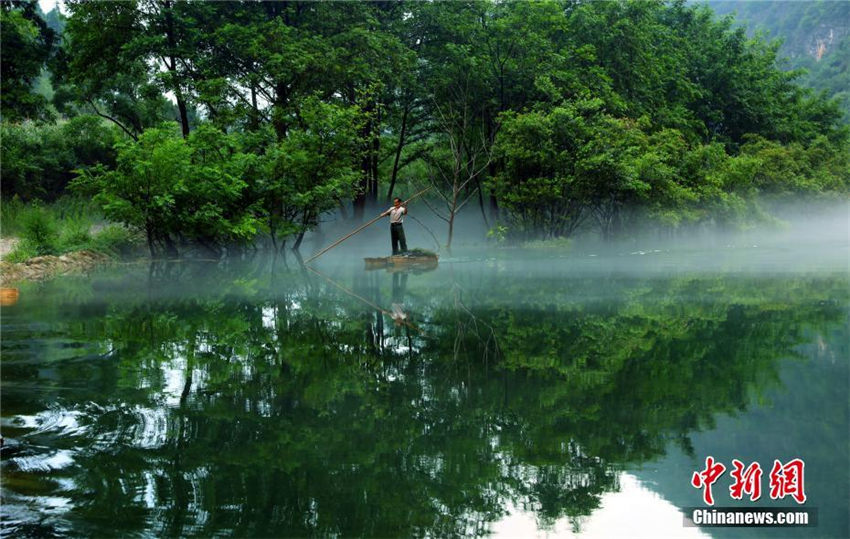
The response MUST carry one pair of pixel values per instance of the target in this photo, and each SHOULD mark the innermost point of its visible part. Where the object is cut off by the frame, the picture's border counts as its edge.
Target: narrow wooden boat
(399, 262)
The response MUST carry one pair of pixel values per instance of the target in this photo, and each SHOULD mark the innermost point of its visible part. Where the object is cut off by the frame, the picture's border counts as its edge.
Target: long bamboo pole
(342, 239)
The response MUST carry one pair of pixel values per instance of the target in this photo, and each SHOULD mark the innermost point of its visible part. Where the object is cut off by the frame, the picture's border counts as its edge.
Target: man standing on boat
(397, 213)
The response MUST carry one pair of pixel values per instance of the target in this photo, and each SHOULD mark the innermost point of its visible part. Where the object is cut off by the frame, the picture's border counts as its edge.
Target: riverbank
(40, 268)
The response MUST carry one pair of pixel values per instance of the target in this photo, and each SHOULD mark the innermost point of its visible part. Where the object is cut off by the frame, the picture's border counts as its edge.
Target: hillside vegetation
(815, 36)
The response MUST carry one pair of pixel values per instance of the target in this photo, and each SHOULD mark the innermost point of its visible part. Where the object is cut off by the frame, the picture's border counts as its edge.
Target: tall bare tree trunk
(398, 149)
(171, 63)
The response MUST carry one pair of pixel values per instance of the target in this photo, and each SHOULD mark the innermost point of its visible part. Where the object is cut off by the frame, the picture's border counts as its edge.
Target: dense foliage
(815, 37)
(550, 117)
(27, 44)
(39, 160)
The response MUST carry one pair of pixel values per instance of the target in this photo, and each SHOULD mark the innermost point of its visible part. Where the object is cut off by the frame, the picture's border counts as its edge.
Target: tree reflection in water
(275, 404)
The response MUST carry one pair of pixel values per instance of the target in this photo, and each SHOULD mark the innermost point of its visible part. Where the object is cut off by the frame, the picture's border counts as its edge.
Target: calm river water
(511, 393)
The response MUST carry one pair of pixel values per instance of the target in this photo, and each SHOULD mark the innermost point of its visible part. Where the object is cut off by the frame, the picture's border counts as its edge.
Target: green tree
(599, 112)
(147, 39)
(39, 160)
(311, 170)
(565, 164)
(27, 45)
(177, 190)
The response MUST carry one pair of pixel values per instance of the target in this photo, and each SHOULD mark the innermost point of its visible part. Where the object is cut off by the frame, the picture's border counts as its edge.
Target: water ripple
(44, 463)
(61, 421)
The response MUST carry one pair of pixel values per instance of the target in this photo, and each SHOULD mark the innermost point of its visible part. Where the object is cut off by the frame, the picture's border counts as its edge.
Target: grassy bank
(65, 226)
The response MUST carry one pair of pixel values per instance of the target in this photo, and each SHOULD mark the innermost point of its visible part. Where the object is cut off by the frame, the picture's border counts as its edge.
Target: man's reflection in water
(399, 289)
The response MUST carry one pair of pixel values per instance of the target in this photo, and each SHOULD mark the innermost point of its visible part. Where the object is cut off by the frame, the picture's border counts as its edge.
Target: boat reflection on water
(413, 262)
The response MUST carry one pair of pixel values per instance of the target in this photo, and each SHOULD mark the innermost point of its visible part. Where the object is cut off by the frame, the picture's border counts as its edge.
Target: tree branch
(111, 119)
(425, 200)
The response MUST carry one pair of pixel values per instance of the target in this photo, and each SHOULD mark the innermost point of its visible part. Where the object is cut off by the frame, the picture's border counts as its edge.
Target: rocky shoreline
(40, 268)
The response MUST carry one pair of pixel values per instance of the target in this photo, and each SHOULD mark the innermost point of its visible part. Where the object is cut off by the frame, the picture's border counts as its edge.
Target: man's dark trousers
(397, 236)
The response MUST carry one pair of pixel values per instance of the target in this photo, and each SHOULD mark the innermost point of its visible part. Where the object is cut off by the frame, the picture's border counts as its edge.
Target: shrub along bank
(50, 239)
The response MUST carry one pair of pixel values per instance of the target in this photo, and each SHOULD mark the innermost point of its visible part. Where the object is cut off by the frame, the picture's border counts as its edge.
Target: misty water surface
(262, 398)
